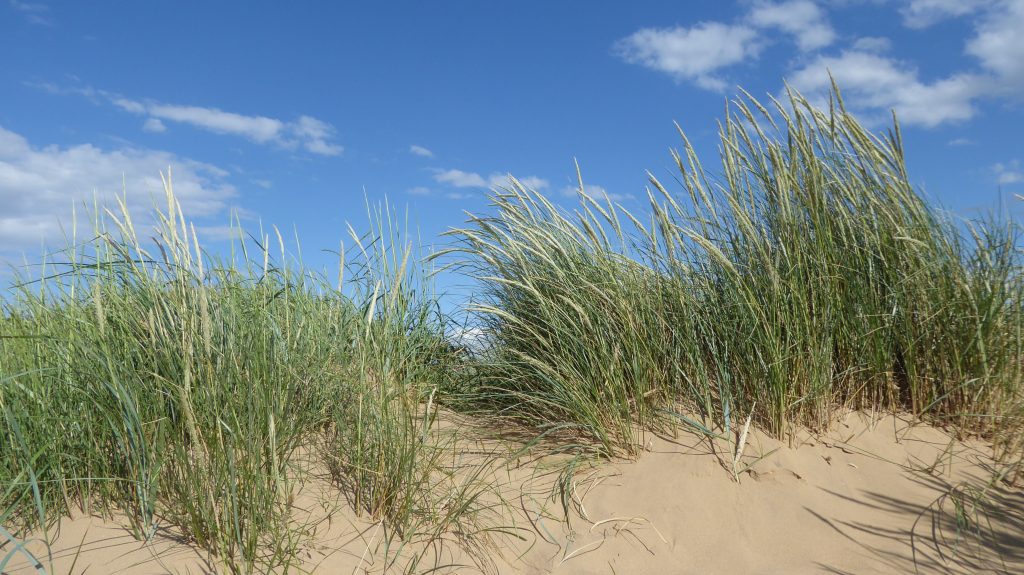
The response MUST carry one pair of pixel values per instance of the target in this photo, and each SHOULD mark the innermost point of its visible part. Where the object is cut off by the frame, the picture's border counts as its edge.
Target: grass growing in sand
(142, 376)
(148, 378)
(808, 275)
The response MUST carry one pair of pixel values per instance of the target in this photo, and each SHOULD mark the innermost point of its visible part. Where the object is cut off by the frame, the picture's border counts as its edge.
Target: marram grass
(142, 376)
(805, 275)
(145, 377)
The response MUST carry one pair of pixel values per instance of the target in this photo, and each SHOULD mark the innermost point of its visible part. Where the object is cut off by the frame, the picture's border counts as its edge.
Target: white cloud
(458, 195)
(308, 132)
(872, 81)
(925, 13)
(802, 19)
(219, 233)
(875, 44)
(40, 185)
(257, 128)
(314, 135)
(698, 53)
(420, 151)
(323, 148)
(502, 180)
(418, 191)
(461, 179)
(876, 84)
(534, 183)
(154, 125)
(265, 184)
(692, 54)
(123, 103)
(596, 192)
(999, 46)
(1008, 173)
(34, 12)
(474, 339)
(961, 142)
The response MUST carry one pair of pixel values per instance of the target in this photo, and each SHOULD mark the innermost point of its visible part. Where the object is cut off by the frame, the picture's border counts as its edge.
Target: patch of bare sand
(864, 498)
(871, 496)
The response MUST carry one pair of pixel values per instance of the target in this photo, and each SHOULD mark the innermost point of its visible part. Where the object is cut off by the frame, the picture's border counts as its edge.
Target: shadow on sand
(965, 529)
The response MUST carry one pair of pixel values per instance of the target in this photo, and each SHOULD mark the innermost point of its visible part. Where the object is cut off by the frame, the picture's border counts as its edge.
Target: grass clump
(147, 378)
(807, 275)
(572, 324)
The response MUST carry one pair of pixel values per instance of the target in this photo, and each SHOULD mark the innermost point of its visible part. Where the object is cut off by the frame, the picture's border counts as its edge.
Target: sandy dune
(871, 496)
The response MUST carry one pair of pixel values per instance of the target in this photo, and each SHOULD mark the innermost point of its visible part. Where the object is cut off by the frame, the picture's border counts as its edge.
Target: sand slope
(871, 496)
(856, 501)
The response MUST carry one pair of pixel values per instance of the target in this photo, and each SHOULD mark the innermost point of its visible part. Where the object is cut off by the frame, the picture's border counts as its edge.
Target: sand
(870, 496)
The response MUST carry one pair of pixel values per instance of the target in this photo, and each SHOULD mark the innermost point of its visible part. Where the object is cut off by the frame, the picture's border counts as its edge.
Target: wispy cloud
(1008, 173)
(420, 151)
(154, 125)
(534, 183)
(123, 103)
(925, 13)
(311, 134)
(596, 192)
(256, 128)
(315, 136)
(875, 44)
(219, 233)
(955, 142)
(804, 20)
(424, 191)
(34, 12)
(462, 179)
(39, 185)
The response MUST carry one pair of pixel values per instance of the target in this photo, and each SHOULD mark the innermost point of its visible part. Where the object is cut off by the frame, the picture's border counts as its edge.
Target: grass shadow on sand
(967, 528)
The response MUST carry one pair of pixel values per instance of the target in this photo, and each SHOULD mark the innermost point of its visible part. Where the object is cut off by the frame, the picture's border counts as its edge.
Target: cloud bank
(39, 186)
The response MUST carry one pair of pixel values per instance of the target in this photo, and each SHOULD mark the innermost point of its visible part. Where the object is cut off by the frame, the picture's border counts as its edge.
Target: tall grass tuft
(572, 322)
(806, 275)
(145, 377)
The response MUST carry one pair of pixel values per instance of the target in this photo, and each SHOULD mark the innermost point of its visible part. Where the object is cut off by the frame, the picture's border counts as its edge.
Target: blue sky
(292, 113)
